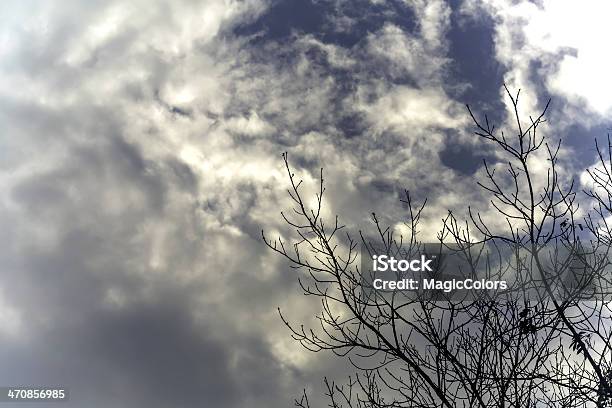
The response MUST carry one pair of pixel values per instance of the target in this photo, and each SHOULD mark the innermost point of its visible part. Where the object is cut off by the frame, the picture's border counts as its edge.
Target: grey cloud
(145, 159)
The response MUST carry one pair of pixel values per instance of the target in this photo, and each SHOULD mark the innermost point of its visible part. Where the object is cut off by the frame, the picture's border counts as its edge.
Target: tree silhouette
(545, 341)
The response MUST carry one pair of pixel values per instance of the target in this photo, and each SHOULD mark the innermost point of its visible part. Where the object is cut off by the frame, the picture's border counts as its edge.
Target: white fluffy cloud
(568, 42)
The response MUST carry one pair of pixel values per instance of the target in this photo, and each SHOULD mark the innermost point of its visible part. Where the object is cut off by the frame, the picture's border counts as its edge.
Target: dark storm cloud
(145, 356)
(100, 321)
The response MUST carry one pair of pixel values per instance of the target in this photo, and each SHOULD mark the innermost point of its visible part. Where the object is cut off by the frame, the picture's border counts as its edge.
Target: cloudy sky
(140, 157)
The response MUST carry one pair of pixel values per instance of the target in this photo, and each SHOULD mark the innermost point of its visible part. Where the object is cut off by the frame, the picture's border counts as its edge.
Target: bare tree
(544, 341)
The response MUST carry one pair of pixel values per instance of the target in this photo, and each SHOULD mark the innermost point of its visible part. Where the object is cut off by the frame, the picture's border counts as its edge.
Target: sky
(140, 158)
